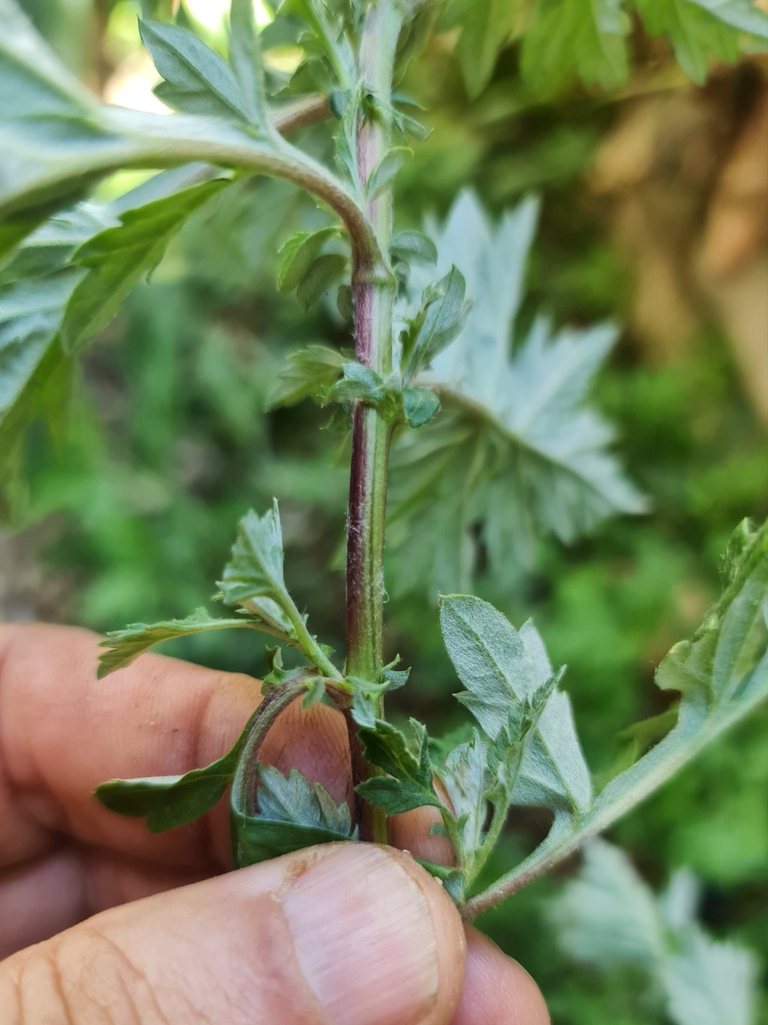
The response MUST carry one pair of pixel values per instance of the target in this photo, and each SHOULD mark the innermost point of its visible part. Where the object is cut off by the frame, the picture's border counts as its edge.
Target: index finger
(62, 732)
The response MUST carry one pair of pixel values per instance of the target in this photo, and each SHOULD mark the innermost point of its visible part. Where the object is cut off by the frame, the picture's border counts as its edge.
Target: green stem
(674, 752)
(374, 294)
(308, 643)
(243, 795)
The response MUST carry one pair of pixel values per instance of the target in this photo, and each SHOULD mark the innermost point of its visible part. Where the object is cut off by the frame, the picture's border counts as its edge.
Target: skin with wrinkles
(147, 929)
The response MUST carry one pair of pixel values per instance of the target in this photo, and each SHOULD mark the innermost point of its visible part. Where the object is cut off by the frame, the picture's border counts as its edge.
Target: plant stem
(243, 795)
(678, 748)
(373, 294)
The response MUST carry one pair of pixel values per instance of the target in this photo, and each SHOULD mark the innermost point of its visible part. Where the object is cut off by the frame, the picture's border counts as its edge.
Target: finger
(497, 990)
(62, 732)
(411, 831)
(347, 934)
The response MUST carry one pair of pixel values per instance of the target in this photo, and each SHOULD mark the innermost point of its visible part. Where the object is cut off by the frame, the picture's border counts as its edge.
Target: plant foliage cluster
(493, 445)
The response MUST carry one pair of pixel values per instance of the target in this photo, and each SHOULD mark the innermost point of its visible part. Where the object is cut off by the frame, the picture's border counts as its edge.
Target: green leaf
(567, 40)
(322, 275)
(292, 815)
(517, 449)
(500, 669)
(608, 917)
(404, 758)
(197, 79)
(171, 801)
(486, 27)
(310, 374)
(362, 384)
(299, 253)
(722, 673)
(292, 799)
(397, 796)
(257, 839)
(245, 58)
(444, 313)
(467, 779)
(413, 245)
(420, 405)
(127, 644)
(384, 173)
(702, 31)
(52, 144)
(116, 259)
(255, 568)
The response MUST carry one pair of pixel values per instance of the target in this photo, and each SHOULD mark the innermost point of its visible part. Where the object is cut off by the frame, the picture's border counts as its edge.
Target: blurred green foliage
(170, 444)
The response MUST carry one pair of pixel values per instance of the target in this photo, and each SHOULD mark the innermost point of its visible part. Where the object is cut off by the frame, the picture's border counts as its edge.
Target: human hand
(102, 922)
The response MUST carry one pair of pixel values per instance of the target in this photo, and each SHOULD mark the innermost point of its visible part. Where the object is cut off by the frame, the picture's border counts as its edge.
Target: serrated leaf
(444, 314)
(245, 58)
(168, 802)
(310, 374)
(420, 405)
(255, 568)
(322, 275)
(708, 983)
(127, 644)
(570, 40)
(397, 796)
(298, 254)
(465, 777)
(524, 452)
(197, 79)
(413, 245)
(609, 917)
(402, 757)
(292, 814)
(117, 258)
(292, 799)
(387, 169)
(256, 839)
(500, 668)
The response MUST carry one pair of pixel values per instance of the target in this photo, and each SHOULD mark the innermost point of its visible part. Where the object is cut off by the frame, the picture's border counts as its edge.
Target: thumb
(346, 934)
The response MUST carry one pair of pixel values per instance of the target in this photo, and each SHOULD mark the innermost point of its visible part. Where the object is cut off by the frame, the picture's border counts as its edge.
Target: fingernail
(364, 938)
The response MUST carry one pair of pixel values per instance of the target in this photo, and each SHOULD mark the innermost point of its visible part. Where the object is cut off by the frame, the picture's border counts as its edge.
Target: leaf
(708, 983)
(310, 374)
(384, 173)
(413, 245)
(444, 315)
(609, 917)
(404, 758)
(697, 36)
(255, 569)
(486, 27)
(117, 258)
(465, 777)
(127, 644)
(420, 405)
(292, 815)
(168, 802)
(322, 275)
(291, 799)
(52, 143)
(245, 58)
(197, 79)
(408, 784)
(524, 451)
(298, 254)
(500, 668)
(570, 40)
(730, 647)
